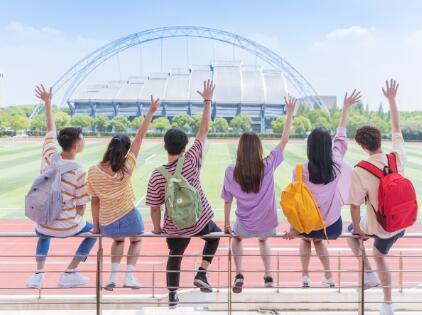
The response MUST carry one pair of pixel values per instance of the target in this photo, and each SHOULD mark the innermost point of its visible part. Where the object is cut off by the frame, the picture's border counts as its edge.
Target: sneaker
(201, 281)
(328, 282)
(268, 282)
(36, 280)
(238, 283)
(371, 280)
(110, 286)
(72, 280)
(173, 300)
(131, 282)
(386, 309)
(306, 282)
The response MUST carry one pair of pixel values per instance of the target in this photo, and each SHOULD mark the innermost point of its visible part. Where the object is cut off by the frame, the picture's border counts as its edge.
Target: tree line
(16, 118)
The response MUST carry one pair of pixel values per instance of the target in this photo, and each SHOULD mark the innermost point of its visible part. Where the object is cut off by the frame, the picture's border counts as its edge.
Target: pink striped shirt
(191, 171)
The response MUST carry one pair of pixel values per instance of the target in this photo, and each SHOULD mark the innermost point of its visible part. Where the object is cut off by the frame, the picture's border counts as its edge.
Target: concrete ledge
(248, 300)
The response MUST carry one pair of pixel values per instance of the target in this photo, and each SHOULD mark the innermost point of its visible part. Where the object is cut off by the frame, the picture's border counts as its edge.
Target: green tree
(319, 118)
(62, 120)
(38, 123)
(161, 124)
(196, 120)
(354, 122)
(277, 125)
(119, 123)
(136, 122)
(220, 124)
(19, 123)
(101, 123)
(380, 123)
(82, 121)
(241, 123)
(4, 120)
(182, 121)
(301, 125)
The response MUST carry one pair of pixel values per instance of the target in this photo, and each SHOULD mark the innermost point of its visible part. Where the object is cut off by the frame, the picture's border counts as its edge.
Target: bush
(241, 123)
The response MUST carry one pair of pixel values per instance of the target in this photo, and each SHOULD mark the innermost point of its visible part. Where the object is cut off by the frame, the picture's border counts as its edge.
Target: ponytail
(116, 153)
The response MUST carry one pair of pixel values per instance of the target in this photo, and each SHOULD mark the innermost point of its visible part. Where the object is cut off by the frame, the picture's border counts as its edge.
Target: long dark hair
(249, 169)
(322, 169)
(116, 153)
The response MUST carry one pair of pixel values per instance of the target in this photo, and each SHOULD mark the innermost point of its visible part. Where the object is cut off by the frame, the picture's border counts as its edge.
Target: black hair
(116, 153)
(68, 137)
(322, 169)
(175, 141)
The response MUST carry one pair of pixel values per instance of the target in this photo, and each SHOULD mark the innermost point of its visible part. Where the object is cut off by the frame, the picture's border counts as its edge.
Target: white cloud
(350, 32)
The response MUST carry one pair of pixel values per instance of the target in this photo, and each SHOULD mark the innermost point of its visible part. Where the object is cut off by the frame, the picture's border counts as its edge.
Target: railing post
(229, 291)
(338, 272)
(218, 273)
(98, 278)
(361, 310)
(153, 280)
(401, 263)
(278, 272)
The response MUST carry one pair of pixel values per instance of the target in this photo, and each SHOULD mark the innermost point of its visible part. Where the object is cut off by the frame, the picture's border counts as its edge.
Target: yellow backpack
(299, 206)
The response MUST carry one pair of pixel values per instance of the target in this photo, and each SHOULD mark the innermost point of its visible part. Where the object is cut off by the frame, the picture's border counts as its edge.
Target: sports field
(20, 161)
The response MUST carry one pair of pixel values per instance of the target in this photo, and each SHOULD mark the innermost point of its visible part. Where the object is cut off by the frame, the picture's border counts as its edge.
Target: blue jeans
(82, 252)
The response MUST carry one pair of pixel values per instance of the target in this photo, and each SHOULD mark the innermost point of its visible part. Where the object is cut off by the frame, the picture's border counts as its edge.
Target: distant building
(329, 101)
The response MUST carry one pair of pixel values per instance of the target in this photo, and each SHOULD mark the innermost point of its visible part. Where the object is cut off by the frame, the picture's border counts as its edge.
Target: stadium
(253, 88)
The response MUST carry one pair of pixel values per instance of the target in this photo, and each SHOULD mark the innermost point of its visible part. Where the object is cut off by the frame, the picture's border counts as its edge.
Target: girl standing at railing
(251, 182)
(325, 174)
(113, 211)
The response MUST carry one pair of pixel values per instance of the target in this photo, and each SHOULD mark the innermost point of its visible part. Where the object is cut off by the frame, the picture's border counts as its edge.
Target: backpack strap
(179, 166)
(69, 166)
(369, 167)
(392, 162)
(299, 172)
(163, 171)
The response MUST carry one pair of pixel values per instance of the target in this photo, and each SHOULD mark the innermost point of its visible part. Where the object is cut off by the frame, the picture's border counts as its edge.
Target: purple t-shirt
(256, 212)
(328, 197)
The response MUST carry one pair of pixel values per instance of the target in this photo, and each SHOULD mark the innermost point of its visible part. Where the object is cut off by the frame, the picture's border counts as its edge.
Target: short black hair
(68, 137)
(175, 141)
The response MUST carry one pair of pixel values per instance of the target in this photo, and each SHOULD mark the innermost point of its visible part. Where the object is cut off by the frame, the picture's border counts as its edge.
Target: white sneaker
(371, 280)
(72, 280)
(386, 309)
(36, 280)
(328, 282)
(131, 282)
(306, 282)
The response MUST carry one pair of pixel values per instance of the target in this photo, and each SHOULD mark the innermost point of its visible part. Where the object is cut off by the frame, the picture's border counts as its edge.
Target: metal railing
(222, 274)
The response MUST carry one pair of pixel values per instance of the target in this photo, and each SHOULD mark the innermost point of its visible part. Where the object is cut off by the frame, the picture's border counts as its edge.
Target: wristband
(207, 100)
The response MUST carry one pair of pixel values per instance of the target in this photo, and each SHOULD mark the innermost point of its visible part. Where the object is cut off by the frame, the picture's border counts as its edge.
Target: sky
(336, 45)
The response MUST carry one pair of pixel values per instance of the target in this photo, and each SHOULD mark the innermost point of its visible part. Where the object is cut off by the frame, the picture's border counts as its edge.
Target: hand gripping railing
(227, 254)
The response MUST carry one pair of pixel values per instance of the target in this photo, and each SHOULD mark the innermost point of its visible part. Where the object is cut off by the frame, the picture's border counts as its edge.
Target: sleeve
(226, 195)
(195, 152)
(89, 186)
(81, 192)
(50, 146)
(275, 158)
(130, 163)
(340, 143)
(357, 192)
(156, 190)
(398, 148)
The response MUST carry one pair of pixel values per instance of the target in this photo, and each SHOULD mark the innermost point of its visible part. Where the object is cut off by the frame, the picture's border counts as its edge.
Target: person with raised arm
(364, 189)
(70, 221)
(251, 182)
(183, 168)
(113, 200)
(322, 174)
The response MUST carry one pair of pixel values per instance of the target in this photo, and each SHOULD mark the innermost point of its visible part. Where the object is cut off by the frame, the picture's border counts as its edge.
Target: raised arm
(206, 94)
(390, 93)
(46, 96)
(348, 102)
(137, 141)
(290, 105)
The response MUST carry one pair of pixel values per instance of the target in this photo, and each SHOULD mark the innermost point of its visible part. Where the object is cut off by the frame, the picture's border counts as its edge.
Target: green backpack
(183, 202)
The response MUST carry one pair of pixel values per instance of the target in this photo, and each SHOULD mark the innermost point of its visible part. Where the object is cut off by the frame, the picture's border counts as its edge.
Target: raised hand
(390, 91)
(155, 104)
(354, 98)
(290, 104)
(43, 94)
(208, 90)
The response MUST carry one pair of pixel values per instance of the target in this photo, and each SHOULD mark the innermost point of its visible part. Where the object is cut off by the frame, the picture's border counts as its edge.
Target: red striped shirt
(191, 171)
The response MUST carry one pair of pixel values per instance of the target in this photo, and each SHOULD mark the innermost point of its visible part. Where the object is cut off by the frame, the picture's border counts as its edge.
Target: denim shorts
(383, 245)
(333, 232)
(130, 224)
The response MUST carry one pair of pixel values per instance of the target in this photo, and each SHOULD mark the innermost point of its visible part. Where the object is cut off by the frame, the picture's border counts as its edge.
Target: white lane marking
(150, 157)
(140, 200)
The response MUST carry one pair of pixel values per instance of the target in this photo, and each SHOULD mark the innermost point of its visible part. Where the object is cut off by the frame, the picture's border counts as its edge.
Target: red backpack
(397, 203)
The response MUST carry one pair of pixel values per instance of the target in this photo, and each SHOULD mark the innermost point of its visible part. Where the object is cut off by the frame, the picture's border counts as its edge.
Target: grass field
(19, 165)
